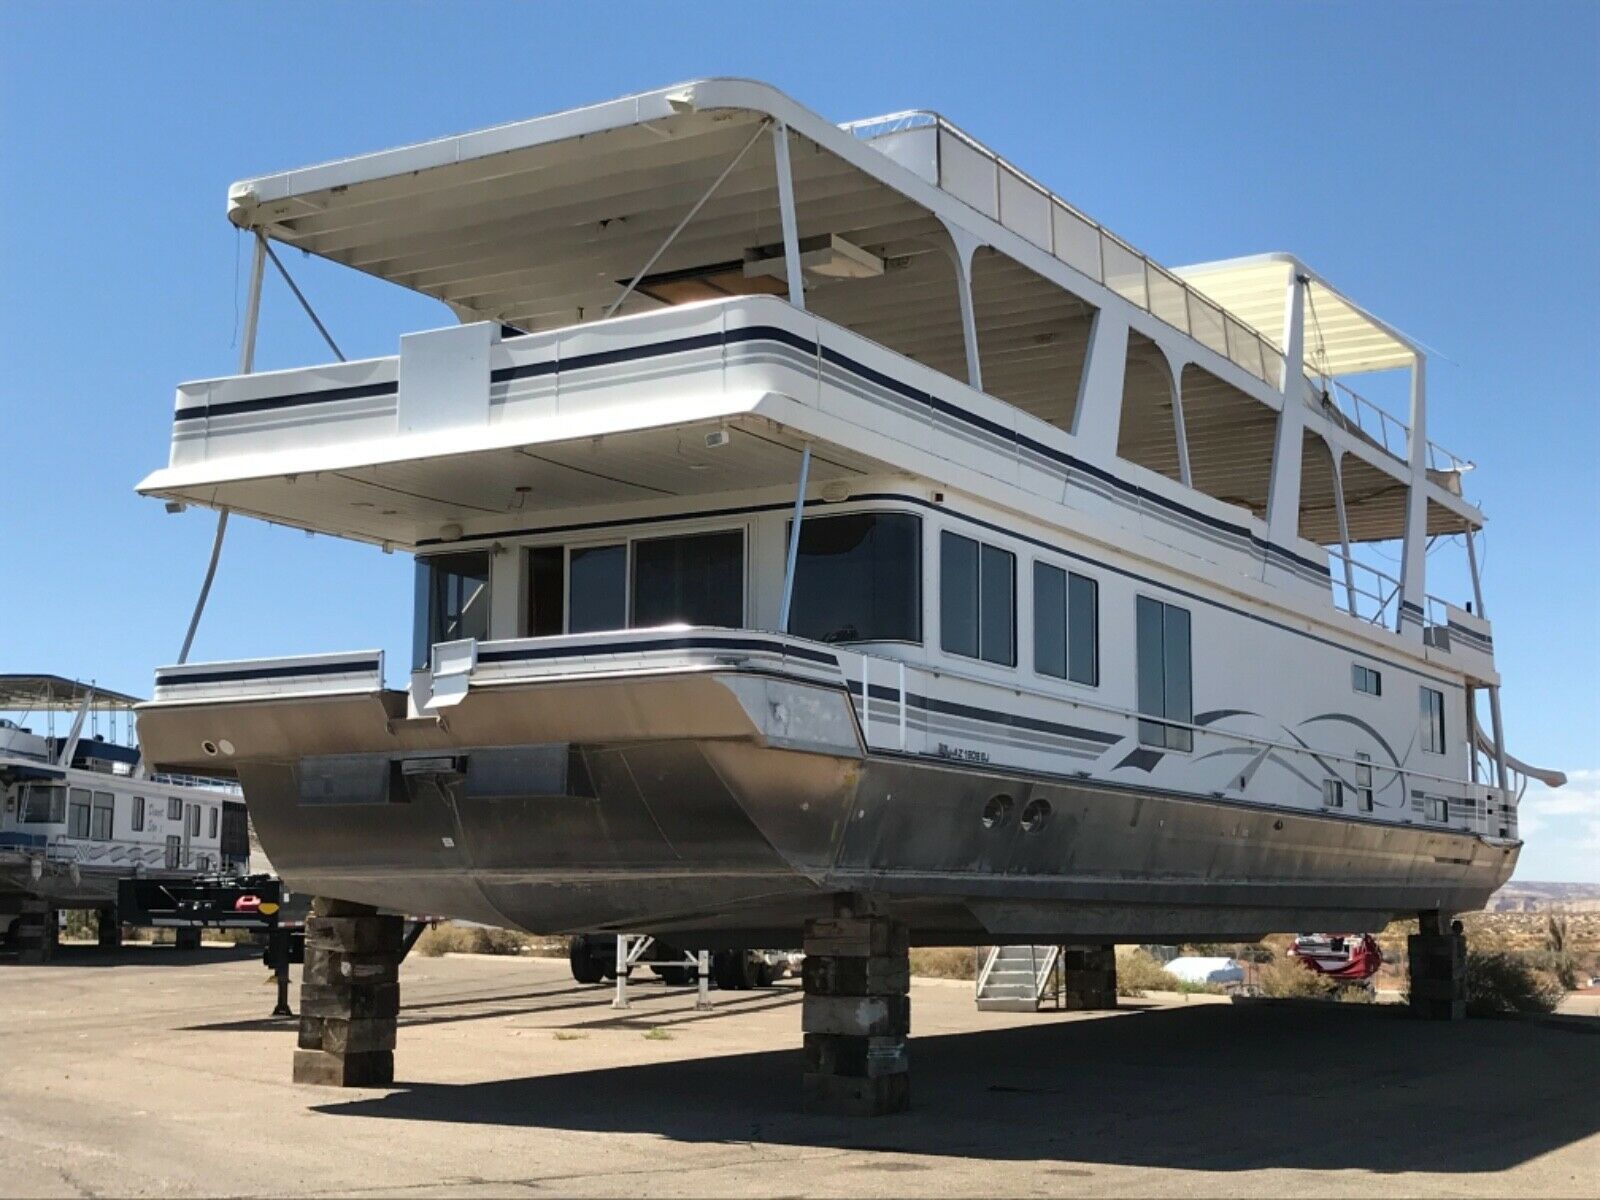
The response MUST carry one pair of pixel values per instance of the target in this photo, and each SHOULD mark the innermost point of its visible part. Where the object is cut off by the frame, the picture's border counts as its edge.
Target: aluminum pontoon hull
(669, 803)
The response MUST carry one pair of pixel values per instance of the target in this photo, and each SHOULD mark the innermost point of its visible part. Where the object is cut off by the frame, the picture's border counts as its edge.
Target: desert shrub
(945, 962)
(1284, 978)
(1138, 972)
(447, 938)
(1498, 984)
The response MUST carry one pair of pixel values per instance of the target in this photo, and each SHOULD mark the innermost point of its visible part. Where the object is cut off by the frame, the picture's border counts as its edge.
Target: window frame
(136, 817)
(211, 821)
(110, 811)
(58, 792)
(174, 808)
(1333, 793)
(918, 579)
(1009, 663)
(1169, 726)
(1359, 673)
(1431, 714)
(741, 528)
(422, 615)
(74, 806)
(1068, 578)
(1364, 788)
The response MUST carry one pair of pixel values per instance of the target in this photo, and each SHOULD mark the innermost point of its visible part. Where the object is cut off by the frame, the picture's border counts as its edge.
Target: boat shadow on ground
(1211, 1087)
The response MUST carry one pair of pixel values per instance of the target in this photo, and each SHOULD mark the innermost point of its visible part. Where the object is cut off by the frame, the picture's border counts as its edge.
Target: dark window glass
(194, 820)
(1083, 630)
(997, 606)
(1164, 683)
(697, 579)
(958, 594)
(1049, 620)
(174, 851)
(211, 825)
(78, 807)
(858, 578)
(104, 813)
(44, 804)
(452, 602)
(547, 599)
(137, 821)
(174, 809)
(1432, 721)
(598, 588)
(1364, 783)
(1365, 679)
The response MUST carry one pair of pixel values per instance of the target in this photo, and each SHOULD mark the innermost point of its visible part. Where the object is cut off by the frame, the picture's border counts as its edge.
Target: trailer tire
(585, 967)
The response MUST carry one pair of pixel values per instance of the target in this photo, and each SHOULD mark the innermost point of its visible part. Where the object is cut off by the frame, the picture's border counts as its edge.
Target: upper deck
(1030, 335)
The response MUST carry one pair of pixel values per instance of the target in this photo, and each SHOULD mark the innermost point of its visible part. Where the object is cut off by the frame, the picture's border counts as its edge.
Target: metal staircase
(1020, 978)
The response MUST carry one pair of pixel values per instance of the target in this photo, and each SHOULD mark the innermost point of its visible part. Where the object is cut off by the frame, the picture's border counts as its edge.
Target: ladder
(1019, 978)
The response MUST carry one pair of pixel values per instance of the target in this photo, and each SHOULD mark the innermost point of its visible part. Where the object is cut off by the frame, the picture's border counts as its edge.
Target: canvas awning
(1341, 338)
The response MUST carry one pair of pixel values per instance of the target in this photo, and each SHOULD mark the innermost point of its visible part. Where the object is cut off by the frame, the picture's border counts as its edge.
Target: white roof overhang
(403, 492)
(1341, 337)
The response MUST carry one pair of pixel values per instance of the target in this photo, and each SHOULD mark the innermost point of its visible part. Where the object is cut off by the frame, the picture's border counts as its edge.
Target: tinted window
(1164, 683)
(693, 580)
(452, 601)
(1365, 679)
(104, 811)
(546, 591)
(597, 593)
(858, 578)
(174, 809)
(1432, 721)
(138, 814)
(997, 606)
(1065, 625)
(958, 594)
(78, 805)
(44, 804)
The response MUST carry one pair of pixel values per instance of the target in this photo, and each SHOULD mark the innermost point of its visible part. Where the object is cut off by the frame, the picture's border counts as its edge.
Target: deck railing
(1035, 213)
(1387, 430)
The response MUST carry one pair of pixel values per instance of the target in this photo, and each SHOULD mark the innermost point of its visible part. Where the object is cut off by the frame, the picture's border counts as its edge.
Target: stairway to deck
(1019, 978)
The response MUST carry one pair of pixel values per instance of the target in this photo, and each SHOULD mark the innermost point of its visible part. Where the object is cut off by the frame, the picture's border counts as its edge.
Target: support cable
(687, 217)
(304, 303)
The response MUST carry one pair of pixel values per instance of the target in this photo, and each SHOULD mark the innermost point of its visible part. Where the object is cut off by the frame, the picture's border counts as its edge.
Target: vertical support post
(1180, 431)
(349, 995)
(1097, 422)
(1499, 739)
(902, 682)
(1283, 494)
(1437, 958)
(1344, 527)
(35, 935)
(1090, 975)
(1414, 554)
(1477, 582)
(278, 948)
(856, 1015)
(702, 999)
(963, 246)
(791, 235)
(108, 930)
(620, 1000)
(794, 538)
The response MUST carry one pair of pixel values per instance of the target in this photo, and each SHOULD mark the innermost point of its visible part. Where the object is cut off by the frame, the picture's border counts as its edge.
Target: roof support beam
(1283, 494)
(963, 246)
(791, 233)
(1414, 557)
(1098, 419)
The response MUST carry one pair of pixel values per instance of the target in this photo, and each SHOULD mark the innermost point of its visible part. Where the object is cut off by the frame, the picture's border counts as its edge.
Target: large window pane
(78, 813)
(997, 606)
(452, 601)
(44, 804)
(958, 594)
(597, 588)
(104, 811)
(1164, 674)
(692, 580)
(1049, 620)
(546, 596)
(858, 578)
(1083, 616)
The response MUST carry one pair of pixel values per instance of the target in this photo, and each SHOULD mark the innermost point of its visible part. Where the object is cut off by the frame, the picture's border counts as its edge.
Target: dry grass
(946, 962)
(450, 938)
(1138, 973)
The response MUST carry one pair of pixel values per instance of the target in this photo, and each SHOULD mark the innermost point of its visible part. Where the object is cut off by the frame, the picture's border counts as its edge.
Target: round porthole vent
(997, 811)
(210, 748)
(1035, 815)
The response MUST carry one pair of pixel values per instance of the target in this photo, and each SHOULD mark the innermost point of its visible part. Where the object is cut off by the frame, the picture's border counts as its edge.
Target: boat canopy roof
(38, 693)
(1341, 337)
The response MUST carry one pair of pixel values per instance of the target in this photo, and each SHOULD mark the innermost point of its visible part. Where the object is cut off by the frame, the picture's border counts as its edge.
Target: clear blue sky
(1438, 161)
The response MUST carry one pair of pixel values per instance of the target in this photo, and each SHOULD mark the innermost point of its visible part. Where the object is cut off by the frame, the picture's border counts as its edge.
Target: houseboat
(81, 812)
(804, 511)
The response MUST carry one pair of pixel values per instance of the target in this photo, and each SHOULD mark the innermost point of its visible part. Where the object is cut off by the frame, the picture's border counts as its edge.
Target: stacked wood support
(1437, 958)
(35, 931)
(856, 1015)
(349, 996)
(1089, 977)
(108, 931)
(186, 937)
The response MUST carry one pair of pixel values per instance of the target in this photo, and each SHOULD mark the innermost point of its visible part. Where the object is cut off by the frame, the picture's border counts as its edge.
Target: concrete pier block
(1089, 977)
(1437, 959)
(35, 932)
(349, 996)
(856, 1015)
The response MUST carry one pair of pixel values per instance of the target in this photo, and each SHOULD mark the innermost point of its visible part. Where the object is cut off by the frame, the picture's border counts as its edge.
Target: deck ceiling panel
(409, 501)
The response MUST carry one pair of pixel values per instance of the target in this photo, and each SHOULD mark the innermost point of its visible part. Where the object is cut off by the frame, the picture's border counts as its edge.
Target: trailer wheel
(585, 967)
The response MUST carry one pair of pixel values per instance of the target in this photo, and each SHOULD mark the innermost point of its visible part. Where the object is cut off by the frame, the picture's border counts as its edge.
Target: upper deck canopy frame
(57, 693)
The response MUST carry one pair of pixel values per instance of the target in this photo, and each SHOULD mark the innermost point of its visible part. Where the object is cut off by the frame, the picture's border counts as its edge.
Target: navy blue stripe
(639, 645)
(772, 333)
(989, 716)
(166, 678)
(229, 408)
